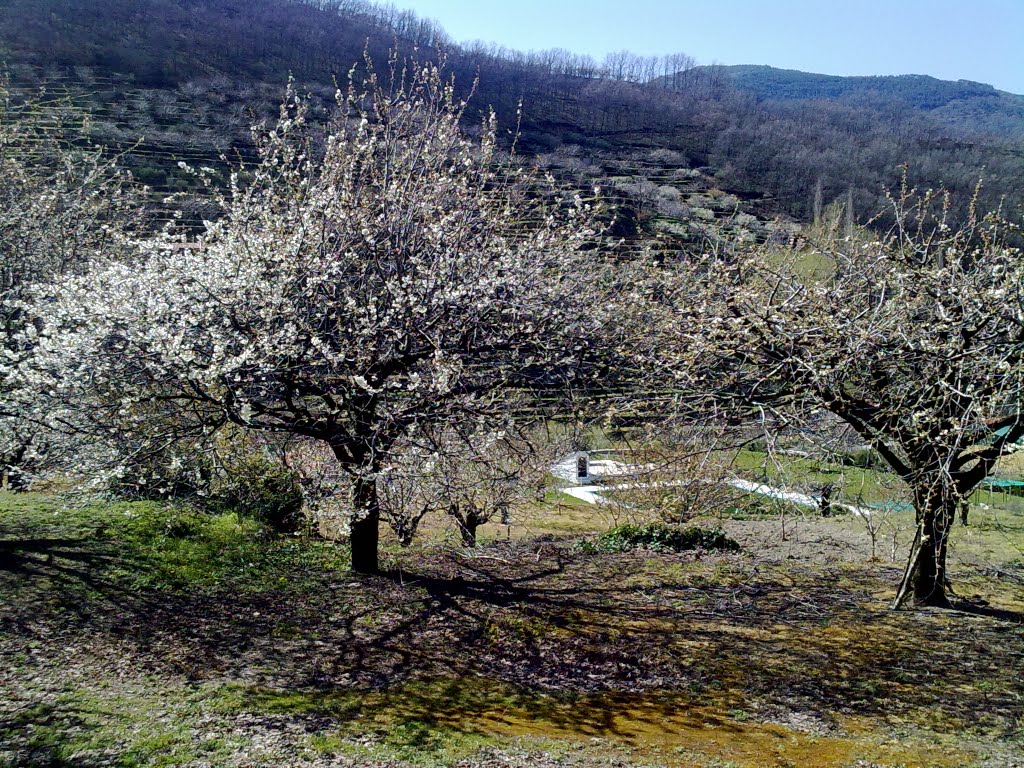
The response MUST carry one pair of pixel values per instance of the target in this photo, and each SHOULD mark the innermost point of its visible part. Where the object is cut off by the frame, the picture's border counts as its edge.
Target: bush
(658, 537)
(757, 445)
(263, 489)
(757, 507)
(163, 475)
(865, 458)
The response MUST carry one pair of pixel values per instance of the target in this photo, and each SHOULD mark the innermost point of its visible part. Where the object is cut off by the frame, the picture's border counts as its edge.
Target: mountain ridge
(170, 80)
(964, 105)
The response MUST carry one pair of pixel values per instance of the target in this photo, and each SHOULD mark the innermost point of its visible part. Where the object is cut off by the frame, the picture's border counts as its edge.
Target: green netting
(999, 482)
(892, 506)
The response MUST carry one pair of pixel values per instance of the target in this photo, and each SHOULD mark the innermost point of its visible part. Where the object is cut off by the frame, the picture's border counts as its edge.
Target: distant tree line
(224, 62)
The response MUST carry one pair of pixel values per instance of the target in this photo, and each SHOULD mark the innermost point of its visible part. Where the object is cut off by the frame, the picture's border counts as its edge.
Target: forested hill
(683, 147)
(963, 105)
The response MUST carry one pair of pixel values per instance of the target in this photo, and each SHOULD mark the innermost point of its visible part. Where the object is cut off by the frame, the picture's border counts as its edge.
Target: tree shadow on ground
(981, 609)
(58, 571)
(719, 631)
(37, 555)
(476, 705)
(39, 731)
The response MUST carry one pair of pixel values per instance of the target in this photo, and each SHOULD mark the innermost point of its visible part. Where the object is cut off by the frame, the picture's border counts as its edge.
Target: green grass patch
(151, 545)
(754, 506)
(557, 498)
(153, 727)
(658, 537)
(856, 485)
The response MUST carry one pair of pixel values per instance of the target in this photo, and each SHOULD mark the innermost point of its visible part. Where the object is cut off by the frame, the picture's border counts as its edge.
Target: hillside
(171, 80)
(358, 435)
(963, 106)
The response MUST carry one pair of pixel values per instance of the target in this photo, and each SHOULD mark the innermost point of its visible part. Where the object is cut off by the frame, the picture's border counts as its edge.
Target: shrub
(263, 489)
(757, 445)
(865, 458)
(184, 473)
(659, 537)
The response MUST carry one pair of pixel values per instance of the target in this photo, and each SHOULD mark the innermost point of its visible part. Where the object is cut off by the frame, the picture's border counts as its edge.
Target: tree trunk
(364, 537)
(926, 568)
(467, 528)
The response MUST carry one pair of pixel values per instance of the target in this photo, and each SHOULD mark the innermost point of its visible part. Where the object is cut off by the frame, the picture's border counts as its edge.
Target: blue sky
(979, 40)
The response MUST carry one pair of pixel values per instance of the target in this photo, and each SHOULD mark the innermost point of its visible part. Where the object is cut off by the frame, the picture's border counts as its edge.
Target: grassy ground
(852, 484)
(146, 635)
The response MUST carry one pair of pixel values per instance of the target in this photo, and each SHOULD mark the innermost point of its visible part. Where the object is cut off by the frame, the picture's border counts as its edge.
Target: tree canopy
(64, 207)
(358, 285)
(915, 340)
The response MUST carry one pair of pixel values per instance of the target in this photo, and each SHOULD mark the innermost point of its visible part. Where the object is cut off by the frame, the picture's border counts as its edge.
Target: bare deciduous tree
(915, 340)
(676, 473)
(471, 476)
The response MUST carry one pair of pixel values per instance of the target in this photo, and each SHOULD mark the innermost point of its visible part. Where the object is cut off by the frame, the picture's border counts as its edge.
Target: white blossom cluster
(360, 282)
(63, 209)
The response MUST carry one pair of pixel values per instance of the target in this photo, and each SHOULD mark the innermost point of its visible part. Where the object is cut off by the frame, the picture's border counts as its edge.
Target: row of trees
(407, 299)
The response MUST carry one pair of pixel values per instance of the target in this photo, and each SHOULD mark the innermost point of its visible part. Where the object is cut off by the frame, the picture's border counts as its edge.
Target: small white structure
(589, 467)
(589, 473)
(573, 468)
